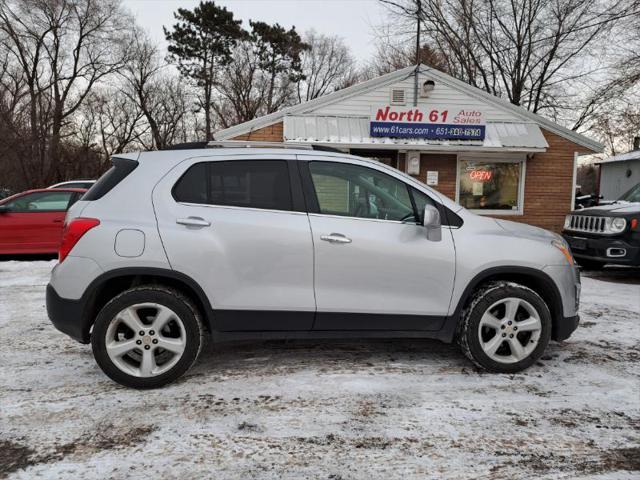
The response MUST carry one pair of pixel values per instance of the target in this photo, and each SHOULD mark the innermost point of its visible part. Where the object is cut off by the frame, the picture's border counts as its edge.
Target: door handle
(335, 238)
(193, 222)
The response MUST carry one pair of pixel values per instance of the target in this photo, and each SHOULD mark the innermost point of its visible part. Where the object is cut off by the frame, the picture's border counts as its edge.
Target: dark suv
(606, 234)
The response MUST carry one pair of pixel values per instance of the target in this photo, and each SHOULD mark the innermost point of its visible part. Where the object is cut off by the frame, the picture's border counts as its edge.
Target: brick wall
(445, 165)
(548, 184)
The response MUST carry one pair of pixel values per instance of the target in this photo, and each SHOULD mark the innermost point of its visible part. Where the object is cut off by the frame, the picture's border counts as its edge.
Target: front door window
(355, 191)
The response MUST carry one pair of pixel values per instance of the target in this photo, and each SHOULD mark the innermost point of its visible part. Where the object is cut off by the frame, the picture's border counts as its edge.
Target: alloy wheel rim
(509, 330)
(145, 339)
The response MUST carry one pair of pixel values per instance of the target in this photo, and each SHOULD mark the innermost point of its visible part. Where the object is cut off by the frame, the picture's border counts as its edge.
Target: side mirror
(432, 223)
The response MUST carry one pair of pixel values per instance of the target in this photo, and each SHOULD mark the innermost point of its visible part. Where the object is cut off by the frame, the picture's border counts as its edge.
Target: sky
(354, 20)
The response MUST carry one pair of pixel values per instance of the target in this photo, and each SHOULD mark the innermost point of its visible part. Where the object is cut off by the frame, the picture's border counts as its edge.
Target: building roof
(623, 157)
(351, 131)
(520, 113)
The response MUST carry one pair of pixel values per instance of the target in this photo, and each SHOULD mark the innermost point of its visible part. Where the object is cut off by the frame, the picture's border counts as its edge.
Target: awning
(353, 132)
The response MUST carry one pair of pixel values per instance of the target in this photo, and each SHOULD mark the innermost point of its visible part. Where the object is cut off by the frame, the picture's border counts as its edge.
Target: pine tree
(201, 43)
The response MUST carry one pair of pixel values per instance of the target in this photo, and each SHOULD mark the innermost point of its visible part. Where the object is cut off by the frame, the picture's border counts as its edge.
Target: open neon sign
(480, 175)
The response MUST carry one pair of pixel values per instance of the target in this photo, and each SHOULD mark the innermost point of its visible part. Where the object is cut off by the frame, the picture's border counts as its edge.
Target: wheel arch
(535, 279)
(113, 282)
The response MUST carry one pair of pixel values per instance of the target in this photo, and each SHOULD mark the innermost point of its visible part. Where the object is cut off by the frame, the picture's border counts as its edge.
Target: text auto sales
(440, 122)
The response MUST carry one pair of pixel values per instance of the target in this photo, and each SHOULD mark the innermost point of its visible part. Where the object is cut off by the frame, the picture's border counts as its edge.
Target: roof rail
(256, 144)
(186, 146)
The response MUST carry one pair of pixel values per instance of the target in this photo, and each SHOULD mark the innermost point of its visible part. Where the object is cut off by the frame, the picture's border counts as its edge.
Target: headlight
(618, 225)
(567, 222)
(562, 246)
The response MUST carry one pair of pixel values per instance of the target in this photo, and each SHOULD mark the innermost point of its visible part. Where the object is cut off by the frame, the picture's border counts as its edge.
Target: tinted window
(53, 201)
(240, 183)
(192, 186)
(355, 191)
(112, 177)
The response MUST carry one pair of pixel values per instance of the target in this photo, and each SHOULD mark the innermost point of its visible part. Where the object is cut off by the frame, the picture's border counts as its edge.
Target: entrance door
(375, 268)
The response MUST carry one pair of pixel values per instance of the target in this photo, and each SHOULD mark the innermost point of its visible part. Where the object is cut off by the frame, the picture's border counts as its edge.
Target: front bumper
(563, 329)
(66, 315)
(591, 248)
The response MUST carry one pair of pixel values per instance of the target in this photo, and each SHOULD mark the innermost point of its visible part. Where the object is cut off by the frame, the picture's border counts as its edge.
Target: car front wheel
(505, 328)
(147, 337)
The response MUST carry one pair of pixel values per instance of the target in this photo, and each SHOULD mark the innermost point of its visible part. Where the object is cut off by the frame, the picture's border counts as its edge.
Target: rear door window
(239, 183)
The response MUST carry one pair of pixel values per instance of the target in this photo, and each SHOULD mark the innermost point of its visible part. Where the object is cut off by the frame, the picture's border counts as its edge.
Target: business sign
(432, 178)
(440, 122)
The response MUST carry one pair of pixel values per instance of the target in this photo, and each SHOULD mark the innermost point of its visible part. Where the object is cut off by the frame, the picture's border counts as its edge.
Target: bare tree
(110, 119)
(394, 52)
(327, 66)
(14, 125)
(165, 102)
(241, 90)
(519, 49)
(64, 48)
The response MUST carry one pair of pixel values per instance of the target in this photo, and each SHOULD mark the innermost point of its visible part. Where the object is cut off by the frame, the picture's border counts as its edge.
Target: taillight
(73, 231)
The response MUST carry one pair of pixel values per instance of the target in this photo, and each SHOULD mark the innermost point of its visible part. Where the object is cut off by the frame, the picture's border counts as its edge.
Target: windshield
(632, 195)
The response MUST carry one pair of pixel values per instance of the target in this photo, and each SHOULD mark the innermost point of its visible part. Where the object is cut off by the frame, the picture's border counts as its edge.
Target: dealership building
(492, 157)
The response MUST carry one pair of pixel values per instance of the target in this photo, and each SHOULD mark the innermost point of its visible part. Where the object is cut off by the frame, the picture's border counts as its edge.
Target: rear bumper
(66, 315)
(565, 327)
(596, 249)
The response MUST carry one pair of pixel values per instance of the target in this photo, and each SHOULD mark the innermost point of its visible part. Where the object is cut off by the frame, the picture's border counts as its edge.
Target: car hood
(526, 231)
(619, 208)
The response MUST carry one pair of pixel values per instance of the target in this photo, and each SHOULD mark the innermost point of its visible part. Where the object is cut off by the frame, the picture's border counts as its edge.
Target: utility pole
(417, 69)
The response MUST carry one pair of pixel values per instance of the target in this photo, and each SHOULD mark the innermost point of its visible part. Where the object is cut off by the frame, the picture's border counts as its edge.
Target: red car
(32, 221)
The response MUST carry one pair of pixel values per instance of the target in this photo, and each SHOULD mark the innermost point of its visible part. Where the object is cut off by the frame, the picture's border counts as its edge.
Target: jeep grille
(589, 224)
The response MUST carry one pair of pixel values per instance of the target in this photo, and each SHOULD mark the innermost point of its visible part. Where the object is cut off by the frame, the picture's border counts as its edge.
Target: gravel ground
(332, 410)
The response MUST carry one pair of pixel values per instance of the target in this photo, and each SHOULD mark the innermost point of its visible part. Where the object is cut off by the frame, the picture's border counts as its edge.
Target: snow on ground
(327, 410)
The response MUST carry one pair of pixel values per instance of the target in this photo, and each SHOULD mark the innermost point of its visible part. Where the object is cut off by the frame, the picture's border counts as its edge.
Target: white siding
(613, 178)
(360, 104)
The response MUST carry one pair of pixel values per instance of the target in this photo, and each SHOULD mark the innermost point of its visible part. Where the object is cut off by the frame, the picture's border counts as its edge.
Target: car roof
(66, 182)
(45, 190)
(189, 152)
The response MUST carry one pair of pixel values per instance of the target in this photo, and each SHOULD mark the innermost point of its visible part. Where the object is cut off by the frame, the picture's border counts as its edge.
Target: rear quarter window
(112, 177)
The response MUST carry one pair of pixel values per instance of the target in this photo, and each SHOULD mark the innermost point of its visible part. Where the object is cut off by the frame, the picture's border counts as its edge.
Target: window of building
(356, 191)
(239, 183)
(491, 186)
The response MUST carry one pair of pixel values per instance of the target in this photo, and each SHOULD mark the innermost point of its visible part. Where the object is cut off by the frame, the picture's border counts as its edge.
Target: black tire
(482, 300)
(174, 300)
(588, 264)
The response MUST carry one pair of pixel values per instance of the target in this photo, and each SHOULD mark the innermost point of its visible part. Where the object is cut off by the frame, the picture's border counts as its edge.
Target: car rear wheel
(147, 337)
(505, 328)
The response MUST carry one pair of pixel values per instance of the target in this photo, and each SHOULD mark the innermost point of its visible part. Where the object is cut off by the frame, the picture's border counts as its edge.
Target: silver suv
(171, 247)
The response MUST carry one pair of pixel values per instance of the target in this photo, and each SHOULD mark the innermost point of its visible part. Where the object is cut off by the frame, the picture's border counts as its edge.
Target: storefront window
(490, 185)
